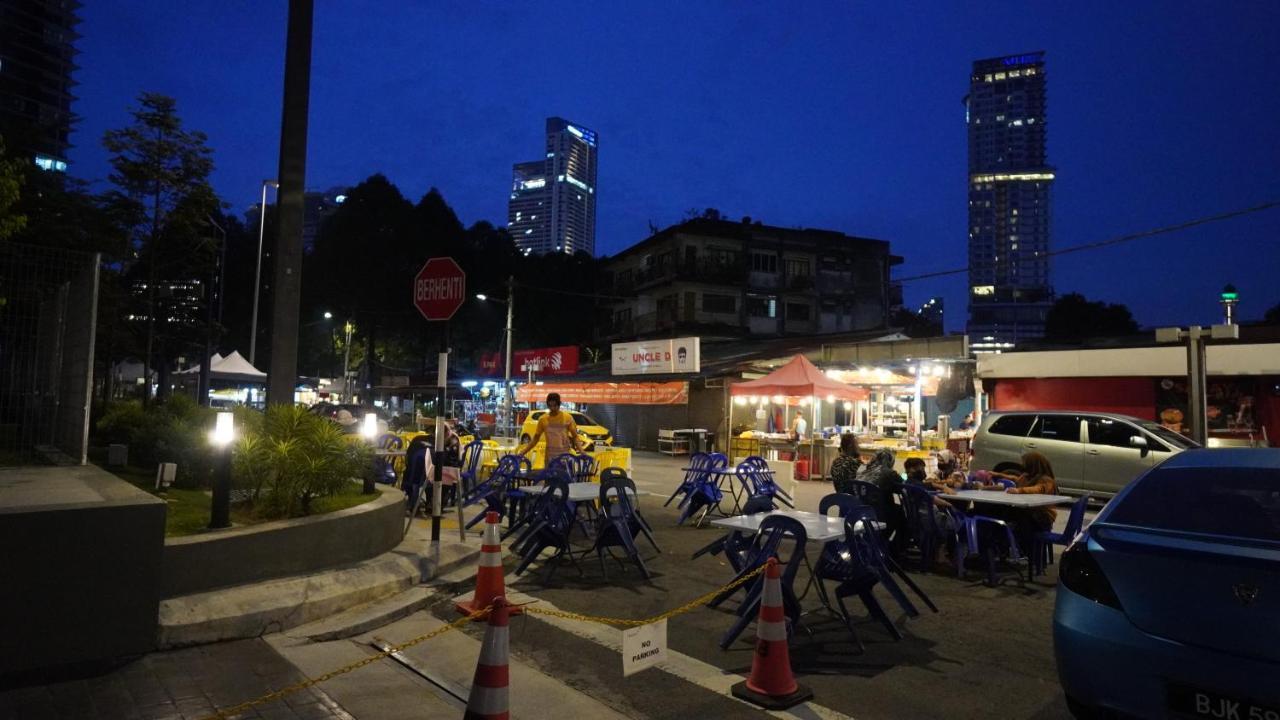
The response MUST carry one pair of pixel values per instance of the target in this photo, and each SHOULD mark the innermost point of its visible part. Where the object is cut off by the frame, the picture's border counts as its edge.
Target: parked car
(590, 431)
(1091, 452)
(1167, 603)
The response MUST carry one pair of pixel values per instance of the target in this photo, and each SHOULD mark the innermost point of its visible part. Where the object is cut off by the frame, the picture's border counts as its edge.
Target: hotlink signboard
(657, 357)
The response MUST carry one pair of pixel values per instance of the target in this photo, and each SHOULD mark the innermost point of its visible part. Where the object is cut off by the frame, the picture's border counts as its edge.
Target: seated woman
(1036, 479)
(844, 470)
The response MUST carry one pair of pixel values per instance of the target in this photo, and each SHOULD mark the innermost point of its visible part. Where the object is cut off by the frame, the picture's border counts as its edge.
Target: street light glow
(370, 428)
(481, 296)
(328, 315)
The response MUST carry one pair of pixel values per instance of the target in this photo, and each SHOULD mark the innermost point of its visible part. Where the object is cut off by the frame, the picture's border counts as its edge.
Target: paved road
(987, 653)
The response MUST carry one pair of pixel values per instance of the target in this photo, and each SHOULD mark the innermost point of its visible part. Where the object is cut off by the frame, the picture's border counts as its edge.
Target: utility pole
(1197, 370)
(214, 274)
(287, 291)
(257, 273)
(506, 381)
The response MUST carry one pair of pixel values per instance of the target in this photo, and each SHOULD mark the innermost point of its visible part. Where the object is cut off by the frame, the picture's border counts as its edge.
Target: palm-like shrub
(294, 458)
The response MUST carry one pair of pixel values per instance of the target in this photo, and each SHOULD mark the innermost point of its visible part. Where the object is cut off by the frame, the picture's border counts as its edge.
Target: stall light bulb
(777, 399)
(831, 398)
(939, 370)
(848, 407)
(739, 400)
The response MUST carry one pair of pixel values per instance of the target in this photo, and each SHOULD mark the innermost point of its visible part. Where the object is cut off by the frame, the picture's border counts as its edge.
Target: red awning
(798, 378)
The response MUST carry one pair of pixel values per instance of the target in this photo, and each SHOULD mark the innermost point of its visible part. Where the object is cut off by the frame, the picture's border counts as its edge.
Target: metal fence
(48, 315)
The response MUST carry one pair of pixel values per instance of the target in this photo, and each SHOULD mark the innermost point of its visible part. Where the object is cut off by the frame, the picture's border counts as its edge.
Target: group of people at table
(1035, 479)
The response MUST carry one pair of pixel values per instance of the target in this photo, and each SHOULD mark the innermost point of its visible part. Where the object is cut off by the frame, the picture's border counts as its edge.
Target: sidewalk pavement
(183, 684)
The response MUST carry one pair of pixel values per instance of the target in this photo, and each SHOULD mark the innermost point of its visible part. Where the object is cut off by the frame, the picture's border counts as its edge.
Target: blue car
(1169, 602)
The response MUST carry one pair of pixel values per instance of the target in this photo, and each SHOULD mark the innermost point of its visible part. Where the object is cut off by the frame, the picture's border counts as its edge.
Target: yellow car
(590, 432)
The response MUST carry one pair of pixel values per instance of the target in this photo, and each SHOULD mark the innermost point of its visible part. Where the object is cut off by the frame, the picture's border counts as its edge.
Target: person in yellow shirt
(558, 427)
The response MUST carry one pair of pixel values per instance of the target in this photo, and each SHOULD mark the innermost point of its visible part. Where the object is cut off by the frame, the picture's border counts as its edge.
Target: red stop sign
(439, 288)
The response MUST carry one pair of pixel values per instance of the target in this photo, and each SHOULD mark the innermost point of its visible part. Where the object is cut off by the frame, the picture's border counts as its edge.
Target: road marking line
(682, 666)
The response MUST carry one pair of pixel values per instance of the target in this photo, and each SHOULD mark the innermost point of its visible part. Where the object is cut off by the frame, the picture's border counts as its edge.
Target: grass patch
(189, 509)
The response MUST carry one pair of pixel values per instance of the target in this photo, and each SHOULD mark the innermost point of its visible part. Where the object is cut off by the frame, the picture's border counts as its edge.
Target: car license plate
(1197, 703)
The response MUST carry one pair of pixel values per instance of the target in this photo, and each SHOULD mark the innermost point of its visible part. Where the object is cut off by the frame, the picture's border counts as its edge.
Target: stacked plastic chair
(765, 480)
(619, 523)
(550, 521)
(495, 489)
(616, 473)
(767, 543)
(700, 465)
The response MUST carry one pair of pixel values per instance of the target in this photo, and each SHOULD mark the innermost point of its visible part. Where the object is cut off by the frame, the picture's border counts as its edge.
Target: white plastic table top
(578, 492)
(993, 497)
(819, 528)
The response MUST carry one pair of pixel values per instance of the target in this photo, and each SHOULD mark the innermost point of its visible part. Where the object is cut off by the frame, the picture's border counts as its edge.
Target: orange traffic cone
(488, 699)
(489, 581)
(771, 685)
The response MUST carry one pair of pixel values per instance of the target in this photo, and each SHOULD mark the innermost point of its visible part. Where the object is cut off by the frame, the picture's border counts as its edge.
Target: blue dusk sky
(840, 115)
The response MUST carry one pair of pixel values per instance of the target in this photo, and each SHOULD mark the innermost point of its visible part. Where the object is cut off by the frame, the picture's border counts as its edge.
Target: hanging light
(740, 400)
(831, 398)
(778, 399)
(848, 406)
(939, 370)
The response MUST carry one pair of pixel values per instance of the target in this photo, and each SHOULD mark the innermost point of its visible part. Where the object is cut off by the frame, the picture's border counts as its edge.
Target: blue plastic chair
(767, 543)
(616, 473)
(498, 486)
(385, 465)
(700, 464)
(619, 524)
(551, 521)
(765, 480)
(1042, 552)
(468, 474)
(702, 497)
(759, 497)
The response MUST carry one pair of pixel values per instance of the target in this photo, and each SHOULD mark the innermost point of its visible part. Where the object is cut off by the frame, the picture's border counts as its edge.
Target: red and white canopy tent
(799, 378)
(801, 381)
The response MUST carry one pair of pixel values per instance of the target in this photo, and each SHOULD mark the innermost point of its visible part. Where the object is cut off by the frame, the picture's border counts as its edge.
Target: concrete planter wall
(199, 563)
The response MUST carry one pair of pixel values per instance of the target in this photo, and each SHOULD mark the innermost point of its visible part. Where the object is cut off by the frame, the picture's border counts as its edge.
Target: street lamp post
(346, 363)
(506, 375)
(257, 273)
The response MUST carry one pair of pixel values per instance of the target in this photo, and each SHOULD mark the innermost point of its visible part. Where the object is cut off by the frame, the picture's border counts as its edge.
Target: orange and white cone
(488, 699)
(771, 684)
(489, 579)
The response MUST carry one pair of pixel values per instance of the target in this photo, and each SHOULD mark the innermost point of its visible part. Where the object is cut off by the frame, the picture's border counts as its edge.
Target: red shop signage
(543, 361)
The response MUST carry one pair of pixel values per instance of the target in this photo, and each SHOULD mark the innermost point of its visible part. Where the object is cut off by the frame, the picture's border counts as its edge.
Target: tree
(11, 179)
(1074, 318)
(161, 174)
(1272, 316)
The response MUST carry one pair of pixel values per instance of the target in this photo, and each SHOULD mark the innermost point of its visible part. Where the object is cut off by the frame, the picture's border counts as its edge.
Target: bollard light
(370, 428)
(224, 430)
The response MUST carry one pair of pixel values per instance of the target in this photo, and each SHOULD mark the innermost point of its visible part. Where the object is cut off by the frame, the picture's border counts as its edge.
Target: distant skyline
(828, 115)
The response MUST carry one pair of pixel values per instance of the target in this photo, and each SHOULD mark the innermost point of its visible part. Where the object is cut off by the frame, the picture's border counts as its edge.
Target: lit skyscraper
(1009, 182)
(552, 207)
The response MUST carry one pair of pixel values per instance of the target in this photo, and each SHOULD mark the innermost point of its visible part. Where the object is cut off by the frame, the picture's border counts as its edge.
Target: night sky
(841, 115)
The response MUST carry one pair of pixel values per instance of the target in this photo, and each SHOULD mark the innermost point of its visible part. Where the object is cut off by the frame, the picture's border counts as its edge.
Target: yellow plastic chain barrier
(624, 622)
(290, 689)
(479, 615)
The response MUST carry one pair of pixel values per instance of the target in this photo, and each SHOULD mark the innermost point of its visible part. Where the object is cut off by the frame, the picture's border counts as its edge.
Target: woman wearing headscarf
(880, 471)
(1036, 479)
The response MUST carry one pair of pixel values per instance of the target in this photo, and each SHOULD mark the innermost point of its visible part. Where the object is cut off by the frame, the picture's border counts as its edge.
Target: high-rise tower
(1009, 183)
(552, 207)
(37, 57)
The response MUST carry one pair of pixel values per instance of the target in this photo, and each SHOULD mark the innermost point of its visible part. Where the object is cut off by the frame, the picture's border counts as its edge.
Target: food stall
(797, 385)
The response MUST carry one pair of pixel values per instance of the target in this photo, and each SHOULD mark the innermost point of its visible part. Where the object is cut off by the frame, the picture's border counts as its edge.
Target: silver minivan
(1090, 452)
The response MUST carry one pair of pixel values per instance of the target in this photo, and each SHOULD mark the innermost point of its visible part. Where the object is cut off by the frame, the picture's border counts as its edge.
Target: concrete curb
(258, 609)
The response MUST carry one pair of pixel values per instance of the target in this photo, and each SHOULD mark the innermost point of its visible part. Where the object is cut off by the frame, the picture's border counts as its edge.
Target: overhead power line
(1121, 239)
